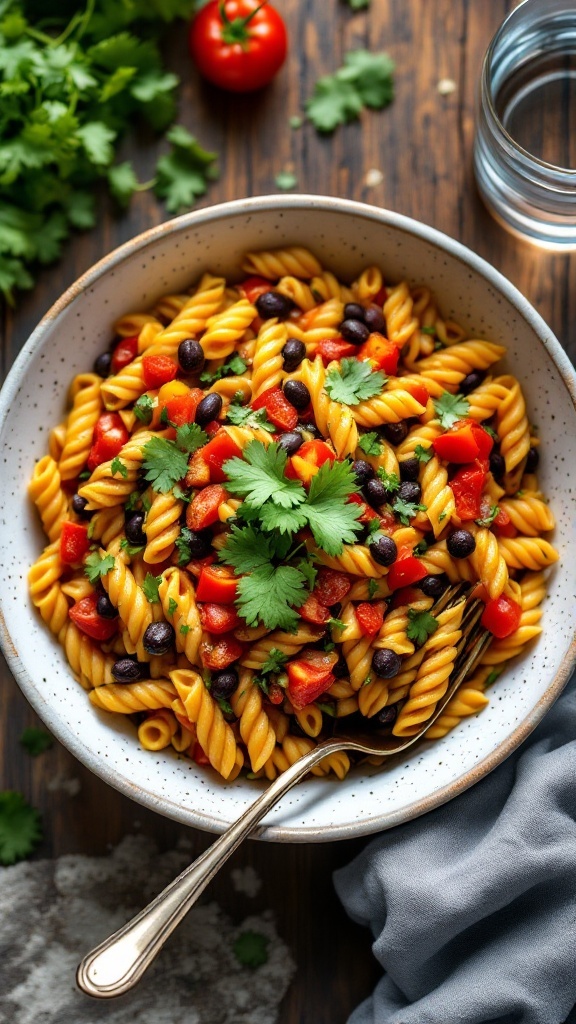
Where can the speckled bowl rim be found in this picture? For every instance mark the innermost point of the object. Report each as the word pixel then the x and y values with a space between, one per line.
pixel 213 214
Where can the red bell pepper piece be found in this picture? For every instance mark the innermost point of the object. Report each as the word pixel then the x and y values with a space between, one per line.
pixel 217 452
pixel 406 570
pixel 417 390
pixel 158 370
pixel 182 408
pixel 467 486
pixel 382 352
pixel 196 566
pixel 221 654
pixel 203 509
pixel 110 435
pixel 219 618
pixel 501 616
pixel 314 611
pixel 368 512
pixel 278 409
pixel 199 756
pixel 217 584
pixel 309 677
pixel 336 348
pixel 457 445
pixel 74 542
pixel 370 616
pixel 253 287
pixel 85 616
pixel 503 525
pixel 317 452
pixel 380 297
pixel 331 586
pixel 124 352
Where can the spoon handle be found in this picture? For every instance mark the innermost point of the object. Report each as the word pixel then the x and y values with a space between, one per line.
pixel 119 962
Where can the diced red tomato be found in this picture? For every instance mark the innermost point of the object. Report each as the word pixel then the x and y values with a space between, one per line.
pixel 406 570
pixel 74 542
pixel 110 435
pixel 331 586
pixel 181 409
pixel 124 352
pixel 370 616
pixel 314 611
pixel 336 348
pixel 203 509
pixel 85 616
pixel 278 409
pixel 417 390
pixel 464 442
pixel 222 653
pixel 212 428
pixel 217 452
pixel 387 522
pixel 405 596
pixel 309 676
pixel 503 525
pixel 501 616
pixel 196 566
pixel 368 512
pixel 199 756
pixel 217 583
pixel 380 297
pixel 275 693
pixel 219 618
pixel 380 351
pixel 467 486
pixel 158 370
pixel 198 474
pixel 316 452
pixel 254 286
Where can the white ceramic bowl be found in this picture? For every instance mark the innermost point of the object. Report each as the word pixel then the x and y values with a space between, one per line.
pixel 346 236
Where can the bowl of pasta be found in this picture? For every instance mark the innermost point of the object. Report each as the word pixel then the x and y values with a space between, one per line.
pixel 245 454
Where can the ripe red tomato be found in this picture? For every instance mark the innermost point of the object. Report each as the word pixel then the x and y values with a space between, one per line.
pixel 501 616
pixel 238 44
pixel 84 614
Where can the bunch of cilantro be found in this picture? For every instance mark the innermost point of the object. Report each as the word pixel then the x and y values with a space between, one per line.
pixel 268 551
pixel 74 77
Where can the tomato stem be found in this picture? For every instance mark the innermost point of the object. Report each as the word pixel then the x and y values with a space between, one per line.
pixel 236 31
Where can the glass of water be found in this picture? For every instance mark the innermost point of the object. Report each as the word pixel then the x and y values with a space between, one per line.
pixel 525 144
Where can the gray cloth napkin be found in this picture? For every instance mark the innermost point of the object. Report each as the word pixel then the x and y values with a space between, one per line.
pixel 473 906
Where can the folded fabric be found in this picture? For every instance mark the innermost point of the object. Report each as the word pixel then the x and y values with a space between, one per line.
pixel 473 906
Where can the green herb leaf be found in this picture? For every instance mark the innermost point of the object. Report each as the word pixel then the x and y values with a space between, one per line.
pixel 251 949
pixel 143 408
pixel 117 466
pixel 372 589
pixel 131 549
pixel 354 382
pixel 366 80
pixel 370 443
pixel 274 662
pixel 232 368
pixel 406 510
pixel 423 454
pixel 95 566
pixel 391 481
pixel 182 175
pixel 450 408
pixel 122 182
pixel 150 587
pixel 19 827
pixel 259 476
pixel 489 519
pixel 247 417
pixel 332 519
pixel 164 464
pixel 183 546
pixel 184 629
pixel 268 594
pixel 36 741
pixel 421 625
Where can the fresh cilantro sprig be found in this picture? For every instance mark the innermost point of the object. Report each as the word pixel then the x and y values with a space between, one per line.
pixel 274 662
pixel 365 80
pixel 182 175
pixel 421 625
pixel 391 481
pixel 370 443
pixel 150 587
pixel 165 462
pixel 423 454
pixel 20 828
pixel 143 408
pixel 245 416
pixel 406 510
pixel 95 566
pixel 232 367
pixel 269 590
pixel 117 466
pixel 354 382
pixel 259 476
pixel 450 408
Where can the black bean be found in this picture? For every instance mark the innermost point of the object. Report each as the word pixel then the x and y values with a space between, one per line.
pixel 384 550
pixel 387 716
pixel 395 433
pixel 158 638
pixel 191 356
pixel 410 469
pixel 208 409
pixel 133 529
pixel 102 364
pixel 411 491
pixel 79 505
pixel 199 543
pixel 340 669
pixel 271 304
pixel 362 471
pixel 293 353
pixel 105 608
pixel 386 663
pixel 354 331
pixel 376 492
pixel 532 460
pixel 460 544
pixel 472 381
pixel 497 465
pixel 291 441
pixel 126 670
pixel 297 394
pixel 433 586
pixel 354 311
pixel 223 684
pixel 374 319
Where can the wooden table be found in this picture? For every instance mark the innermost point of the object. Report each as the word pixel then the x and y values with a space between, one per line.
pixel 423 146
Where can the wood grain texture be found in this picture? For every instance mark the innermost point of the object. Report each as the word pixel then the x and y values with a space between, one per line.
pixel 423 146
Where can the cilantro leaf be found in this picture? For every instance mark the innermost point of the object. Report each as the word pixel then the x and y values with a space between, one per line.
pixel 332 103
pixel 450 408
pixel 421 547
pixel 131 549
pixel 19 827
pixel 232 367
pixel 143 409
pixel 268 594
pixel 488 519
pixel 163 464
pixel 372 589
pixel 150 587
pixel 391 481
pixel 245 416
pixel 259 476
pixel 122 180
pixel 365 80
pixel 333 520
pixel 304 565
pixel 423 454
pixel 251 949
pixel 406 510
pixel 421 625
pixel 247 549
pixel 370 444
pixel 274 662
pixel 182 175
pixel 189 437
pixel 95 566
pixel 354 382
pixel 36 741
pixel 285 520
pixel 117 466
pixel 183 542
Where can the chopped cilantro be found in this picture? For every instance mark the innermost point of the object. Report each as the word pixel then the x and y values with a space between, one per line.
pixel 450 408
pixel 406 510
pixel 353 382
pixel 370 444
pixel 391 481
pixel 117 466
pixel 488 519
pixel 493 676
pixel 131 549
pixel 373 526
pixel 232 367
pixel 150 587
pixel 359 5
pixel 274 661
pixel 95 567
pixel 366 80
pixel 183 545
pixel 180 494
pixel 327 709
pixel 247 417
pixel 189 437
pixel 428 330
pixel 336 624
pixel 85 474
pixel 165 462
pixel 133 500
pixel 19 827
pixel 251 949
pixel 423 454
pixel 36 741
pixel 143 409
pixel 172 606
pixel 421 547
pixel 224 706
pixel 421 625
pixel 372 589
